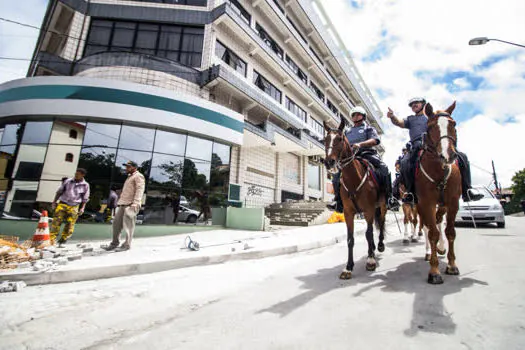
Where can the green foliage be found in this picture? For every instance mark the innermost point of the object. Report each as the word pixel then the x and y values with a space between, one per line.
pixel 518 187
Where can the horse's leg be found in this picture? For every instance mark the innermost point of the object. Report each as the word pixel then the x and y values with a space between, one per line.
pixel 428 213
pixel 381 223
pixel 427 244
pixel 451 269
pixel 406 214
pixel 413 213
pixel 371 263
pixel 439 219
pixel 420 233
pixel 346 274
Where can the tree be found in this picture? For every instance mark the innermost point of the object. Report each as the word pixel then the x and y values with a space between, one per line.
pixel 518 189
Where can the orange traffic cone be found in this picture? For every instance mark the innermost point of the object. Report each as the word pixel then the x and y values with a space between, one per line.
pixel 41 237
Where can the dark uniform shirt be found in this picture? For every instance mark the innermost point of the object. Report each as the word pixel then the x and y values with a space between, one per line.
pixel 362 133
pixel 416 125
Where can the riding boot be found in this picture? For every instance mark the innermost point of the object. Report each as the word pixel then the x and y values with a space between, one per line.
pixel 336 183
pixel 467 193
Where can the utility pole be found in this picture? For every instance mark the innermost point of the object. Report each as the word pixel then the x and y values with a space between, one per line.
pixel 498 188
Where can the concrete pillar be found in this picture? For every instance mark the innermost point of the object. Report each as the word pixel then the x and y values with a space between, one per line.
pixel 278 178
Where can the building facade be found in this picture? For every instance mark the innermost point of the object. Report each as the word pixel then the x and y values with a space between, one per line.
pixel 223 97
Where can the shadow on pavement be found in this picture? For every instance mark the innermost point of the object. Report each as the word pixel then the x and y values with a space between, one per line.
pixel 319 283
pixel 429 313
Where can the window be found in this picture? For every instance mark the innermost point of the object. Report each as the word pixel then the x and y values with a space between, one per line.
pixel 170 143
pixel 69 157
pixel 278 6
pixel 315 54
pixel 293 66
pixel 331 75
pixel 178 2
pixel 102 135
pixel 175 42
pixel 332 107
pixel 295 109
pixel 140 139
pixel 297 30
pixel 245 15
pixel 199 148
pixel 73 134
pixel 317 91
pixel 316 126
pixel 267 87
pixel 268 40
pixel 37 132
pixel 230 58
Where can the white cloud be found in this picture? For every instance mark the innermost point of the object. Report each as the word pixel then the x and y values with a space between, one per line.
pixel 427 40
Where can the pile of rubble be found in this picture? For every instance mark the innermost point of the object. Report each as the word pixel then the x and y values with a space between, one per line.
pixel 12 253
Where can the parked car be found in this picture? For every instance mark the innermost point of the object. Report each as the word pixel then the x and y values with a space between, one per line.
pixel 486 210
pixel 187 215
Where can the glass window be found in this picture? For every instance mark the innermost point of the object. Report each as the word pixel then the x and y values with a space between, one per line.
pixel 196 174
pixel 103 135
pixel 143 160
pixel 67 133
pixel 241 11
pixel 7 162
pixel 332 107
pixel 166 170
pixel 263 84
pixel 230 58
pixel 132 137
pixel 199 148
pixel 123 35
pixel 297 30
pixel 73 134
pixel 295 109
pixel 317 91
pixel 316 126
pixel 99 163
pixel 11 134
pixel 30 162
pixel 298 71
pixel 37 132
pixel 169 142
pixel 175 42
pixel 21 200
pixel 178 2
pixel 61 161
pixel 268 40
pixel 220 168
pixel 314 178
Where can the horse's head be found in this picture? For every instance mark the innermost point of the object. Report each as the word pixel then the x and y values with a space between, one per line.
pixel 441 133
pixel 334 142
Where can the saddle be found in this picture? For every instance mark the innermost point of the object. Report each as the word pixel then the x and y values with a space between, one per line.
pixel 372 171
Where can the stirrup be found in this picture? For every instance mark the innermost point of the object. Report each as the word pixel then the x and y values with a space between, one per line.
pixel 409 197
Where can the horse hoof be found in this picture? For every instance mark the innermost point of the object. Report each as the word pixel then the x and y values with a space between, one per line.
pixel 371 267
pixel 414 240
pixel 420 234
pixel 406 241
pixel 427 257
pixel 435 279
pixel 381 247
pixel 442 252
pixel 452 270
pixel 345 275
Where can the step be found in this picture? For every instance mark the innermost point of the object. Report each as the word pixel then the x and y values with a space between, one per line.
pixel 290 223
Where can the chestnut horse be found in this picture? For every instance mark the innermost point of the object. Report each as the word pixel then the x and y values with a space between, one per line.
pixel 359 194
pixel 438 186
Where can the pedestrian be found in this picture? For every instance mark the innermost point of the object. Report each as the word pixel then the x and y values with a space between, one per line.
pixel 72 196
pixel 175 205
pixel 128 207
pixel 205 206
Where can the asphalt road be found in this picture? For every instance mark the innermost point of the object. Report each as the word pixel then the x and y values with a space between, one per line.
pixel 291 302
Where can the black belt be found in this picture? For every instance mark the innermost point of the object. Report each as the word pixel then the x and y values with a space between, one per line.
pixel 124 205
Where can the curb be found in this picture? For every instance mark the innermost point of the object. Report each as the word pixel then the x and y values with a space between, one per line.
pixel 94 273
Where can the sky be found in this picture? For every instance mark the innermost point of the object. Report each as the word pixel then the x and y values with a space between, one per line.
pixel 402 48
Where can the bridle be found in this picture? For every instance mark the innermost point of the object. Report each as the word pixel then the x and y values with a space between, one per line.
pixel 340 162
pixel 431 146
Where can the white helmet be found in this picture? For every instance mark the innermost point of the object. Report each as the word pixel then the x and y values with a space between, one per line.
pixel 416 99
pixel 358 109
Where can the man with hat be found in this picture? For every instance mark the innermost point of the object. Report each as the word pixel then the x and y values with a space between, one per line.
pixel 128 207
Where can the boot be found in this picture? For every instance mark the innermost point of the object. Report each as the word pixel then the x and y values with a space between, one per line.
pixel 471 195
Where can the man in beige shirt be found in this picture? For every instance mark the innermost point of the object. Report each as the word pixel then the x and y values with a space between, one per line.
pixel 128 207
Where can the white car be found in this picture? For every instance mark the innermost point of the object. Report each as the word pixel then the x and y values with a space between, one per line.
pixel 486 210
pixel 187 215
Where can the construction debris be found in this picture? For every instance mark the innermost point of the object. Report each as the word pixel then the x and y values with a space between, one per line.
pixel 6 287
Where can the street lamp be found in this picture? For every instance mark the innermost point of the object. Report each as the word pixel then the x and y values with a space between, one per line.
pixel 484 40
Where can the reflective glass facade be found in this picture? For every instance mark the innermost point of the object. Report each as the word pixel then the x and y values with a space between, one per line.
pixel 36 156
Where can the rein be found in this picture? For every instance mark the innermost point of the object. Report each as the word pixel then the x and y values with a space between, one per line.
pixel 432 149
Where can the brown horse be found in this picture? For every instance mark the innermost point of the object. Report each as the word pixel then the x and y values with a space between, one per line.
pixel 359 194
pixel 438 183
pixel 410 216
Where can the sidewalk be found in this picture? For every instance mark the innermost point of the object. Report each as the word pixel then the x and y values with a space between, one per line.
pixel 155 254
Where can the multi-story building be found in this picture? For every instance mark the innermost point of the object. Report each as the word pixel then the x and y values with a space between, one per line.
pixel 228 97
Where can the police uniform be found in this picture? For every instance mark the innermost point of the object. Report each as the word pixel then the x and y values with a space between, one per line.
pixel 417 127
pixel 358 134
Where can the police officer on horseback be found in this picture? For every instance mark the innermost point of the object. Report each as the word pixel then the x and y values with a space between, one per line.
pixel 417 126
pixel 363 137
